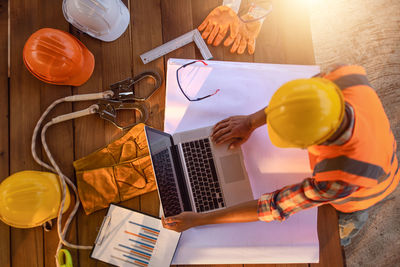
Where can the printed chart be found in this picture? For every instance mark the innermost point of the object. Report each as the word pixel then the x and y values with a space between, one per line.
pixel 129 238
pixel 138 251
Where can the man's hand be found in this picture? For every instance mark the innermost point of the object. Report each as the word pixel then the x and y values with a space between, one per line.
pixel 182 222
pixel 234 130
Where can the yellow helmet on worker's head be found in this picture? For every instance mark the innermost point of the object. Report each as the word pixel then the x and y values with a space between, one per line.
pixel 304 112
pixel 30 198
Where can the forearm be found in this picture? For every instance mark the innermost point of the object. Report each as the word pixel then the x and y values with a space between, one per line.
pixel 244 212
pixel 257 119
pixel 282 203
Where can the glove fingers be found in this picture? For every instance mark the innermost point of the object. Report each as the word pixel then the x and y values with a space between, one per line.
pixel 203 25
pixel 229 41
pixel 251 46
pixel 213 34
pixel 234 28
pixel 242 46
pixel 220 36
pixel 236 43
pixel 207 31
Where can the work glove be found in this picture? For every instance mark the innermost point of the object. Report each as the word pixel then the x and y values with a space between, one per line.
pixel 249 28
pixel 117 172
pixel 246 36
pixel 217 24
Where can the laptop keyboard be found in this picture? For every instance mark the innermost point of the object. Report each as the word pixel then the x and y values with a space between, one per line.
pixel 166 183
pixel 203 175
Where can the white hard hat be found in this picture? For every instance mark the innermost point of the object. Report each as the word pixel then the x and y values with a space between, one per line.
pixel 103 19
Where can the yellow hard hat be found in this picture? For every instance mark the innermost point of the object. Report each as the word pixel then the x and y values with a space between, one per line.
pixel 30 198
pixel 304 112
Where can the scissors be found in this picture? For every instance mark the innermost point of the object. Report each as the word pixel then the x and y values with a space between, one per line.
pixel 64 258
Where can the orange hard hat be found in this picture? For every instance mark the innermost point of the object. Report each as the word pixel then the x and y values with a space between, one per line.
pixel 57 57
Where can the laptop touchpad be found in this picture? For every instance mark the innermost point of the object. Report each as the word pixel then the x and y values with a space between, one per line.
pixel 232 168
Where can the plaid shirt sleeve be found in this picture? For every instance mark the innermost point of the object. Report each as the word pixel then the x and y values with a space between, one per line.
pixel 282 203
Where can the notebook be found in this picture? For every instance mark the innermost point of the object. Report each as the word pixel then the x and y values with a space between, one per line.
pixel 133 239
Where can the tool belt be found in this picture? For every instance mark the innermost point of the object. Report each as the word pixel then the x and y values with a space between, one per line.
pixel 117 172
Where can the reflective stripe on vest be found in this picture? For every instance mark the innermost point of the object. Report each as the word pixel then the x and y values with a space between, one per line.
pixel 368 159
pixel 367 197
pixel 351 80
pixel 350 166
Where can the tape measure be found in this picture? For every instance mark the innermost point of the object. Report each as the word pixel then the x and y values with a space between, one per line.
pixel 192 36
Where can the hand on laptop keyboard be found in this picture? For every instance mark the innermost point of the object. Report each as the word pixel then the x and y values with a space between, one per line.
pixel 237 129
pixel 234 130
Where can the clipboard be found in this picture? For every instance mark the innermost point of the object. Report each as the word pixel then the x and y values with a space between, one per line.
pixel 134 239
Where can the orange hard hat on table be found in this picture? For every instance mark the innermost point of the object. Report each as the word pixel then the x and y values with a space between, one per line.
pixel 57 57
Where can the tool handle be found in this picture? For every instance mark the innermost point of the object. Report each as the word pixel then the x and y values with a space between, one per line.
pixel 81 113
pixel 86 97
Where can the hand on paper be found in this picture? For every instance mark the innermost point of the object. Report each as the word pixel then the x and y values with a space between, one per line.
pixel 217 24
pixel 234 130
pixel 181 222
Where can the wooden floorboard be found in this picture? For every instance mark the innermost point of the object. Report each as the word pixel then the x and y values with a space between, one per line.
pixel 59 137
pixel 174 24
pixel 113 63
pixel 24 111
pixel 89 135
pixel 330 252
pixel 146 33
pixel 5 254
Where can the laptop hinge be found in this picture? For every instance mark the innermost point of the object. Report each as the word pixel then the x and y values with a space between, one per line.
pixel 181 178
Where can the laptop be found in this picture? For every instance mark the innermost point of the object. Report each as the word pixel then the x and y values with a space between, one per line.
pixel 194 174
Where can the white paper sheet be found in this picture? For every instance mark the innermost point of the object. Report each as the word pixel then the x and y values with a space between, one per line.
pixel 129 238
pixel 244 89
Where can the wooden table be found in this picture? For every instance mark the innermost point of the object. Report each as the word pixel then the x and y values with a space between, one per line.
pixel 285 38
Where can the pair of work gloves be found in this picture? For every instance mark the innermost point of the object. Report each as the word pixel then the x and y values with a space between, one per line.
pixel 243 29
pixel 119 171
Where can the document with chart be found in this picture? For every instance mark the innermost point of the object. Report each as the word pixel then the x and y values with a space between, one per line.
pixel 131 238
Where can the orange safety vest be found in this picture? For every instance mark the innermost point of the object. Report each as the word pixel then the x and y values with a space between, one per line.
pixel 368 159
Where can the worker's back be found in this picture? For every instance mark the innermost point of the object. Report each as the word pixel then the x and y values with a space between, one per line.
pixel 368 159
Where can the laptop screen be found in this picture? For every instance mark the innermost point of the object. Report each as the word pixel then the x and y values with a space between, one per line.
pixel 161 152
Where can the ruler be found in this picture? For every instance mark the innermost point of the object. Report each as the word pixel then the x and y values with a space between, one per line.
pixel 192 36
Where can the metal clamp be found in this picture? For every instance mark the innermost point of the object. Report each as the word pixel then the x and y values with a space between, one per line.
pixel 124 90
pixel 108 111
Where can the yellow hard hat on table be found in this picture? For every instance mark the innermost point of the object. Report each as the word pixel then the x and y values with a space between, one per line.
pixel 30 198
pixel 304 112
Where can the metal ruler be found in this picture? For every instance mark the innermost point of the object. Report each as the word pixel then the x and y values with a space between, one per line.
pixel 192 36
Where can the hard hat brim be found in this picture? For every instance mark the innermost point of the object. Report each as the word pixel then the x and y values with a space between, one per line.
pixel 276 140
pixel 120 29
pixel 87 69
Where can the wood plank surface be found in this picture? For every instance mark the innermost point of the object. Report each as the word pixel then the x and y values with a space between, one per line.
pixel 5 255
pixel 89 135
pixel 278 265
pixel 330 251
pixel 59 137
pixel 112 64
pixel 25 109
pixel 146 33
